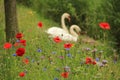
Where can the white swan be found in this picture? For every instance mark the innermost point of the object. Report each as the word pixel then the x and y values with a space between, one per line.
pixel 73 36
pixel 56 31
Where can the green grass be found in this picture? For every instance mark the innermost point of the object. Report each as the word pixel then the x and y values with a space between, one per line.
pixel 51 66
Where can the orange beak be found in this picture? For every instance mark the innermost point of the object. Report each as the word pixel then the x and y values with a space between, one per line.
pixel 78 33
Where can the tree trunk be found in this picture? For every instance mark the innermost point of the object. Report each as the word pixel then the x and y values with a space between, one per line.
pixel 11 20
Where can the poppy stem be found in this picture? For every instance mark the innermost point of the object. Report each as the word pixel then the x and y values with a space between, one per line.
pixel 65 56
pixel 62 59
pixel 94 53
pixel 99 55
pixel 94 56
pixel 104 35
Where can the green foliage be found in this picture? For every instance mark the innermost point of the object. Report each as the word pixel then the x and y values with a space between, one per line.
pixel 114 19
pixel 86 14
pixel 40 66
pixel 27 3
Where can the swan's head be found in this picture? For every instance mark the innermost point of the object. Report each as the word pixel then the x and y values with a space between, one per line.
pixel 76 28
pixel 67 16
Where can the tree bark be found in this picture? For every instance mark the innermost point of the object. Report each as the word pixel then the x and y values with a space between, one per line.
pixel 11 20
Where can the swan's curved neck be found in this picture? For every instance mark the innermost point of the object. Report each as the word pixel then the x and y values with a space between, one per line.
pixel 63 24
pixel 73 32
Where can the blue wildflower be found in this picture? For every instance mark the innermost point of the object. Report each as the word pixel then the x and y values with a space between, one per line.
pixel 56 79
pixel 39 50
pixel 97 59
pixel 67 48
pixel 14 54
pixel 69 55
pixel 17 40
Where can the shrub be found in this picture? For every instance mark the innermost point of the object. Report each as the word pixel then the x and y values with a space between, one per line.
pixel 27 3
pixel 85 13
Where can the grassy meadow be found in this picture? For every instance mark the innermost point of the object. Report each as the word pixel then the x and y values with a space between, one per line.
pixel 47 60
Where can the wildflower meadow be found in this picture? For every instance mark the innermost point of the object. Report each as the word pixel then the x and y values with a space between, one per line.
pixel 37 56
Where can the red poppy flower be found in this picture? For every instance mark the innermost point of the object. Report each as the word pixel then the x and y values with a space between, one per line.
pixel 88 60
pixel 7 45
pixel 26 61
pixel 65 74
pixel 68 45
pixel 57 39
pixel 22 74
pixel 94 62
pixel 20 51
pixel 104 25
pixel 23 42
pixel 19 35
pixel 40 24
pixel 16 44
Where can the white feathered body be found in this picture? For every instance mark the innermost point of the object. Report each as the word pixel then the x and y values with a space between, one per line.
pixel 56 31
pixel 63 32
pixel 72 36
pixel 64 35
pixel 68 37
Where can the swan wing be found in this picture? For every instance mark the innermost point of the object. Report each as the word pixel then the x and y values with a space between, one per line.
pixel 68 37
pixel 55 31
